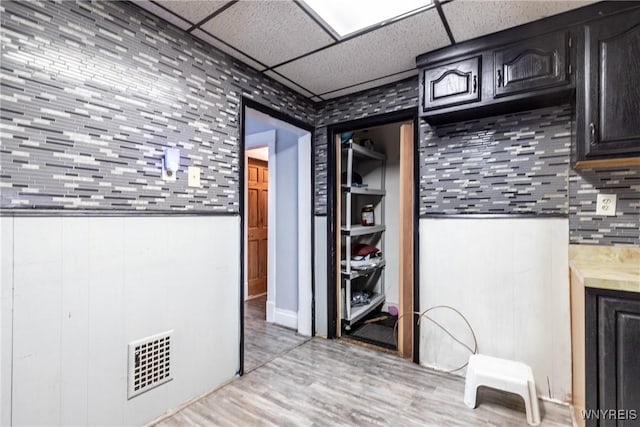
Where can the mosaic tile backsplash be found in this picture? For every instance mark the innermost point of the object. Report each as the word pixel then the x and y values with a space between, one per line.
pixel 516 163
pixel 384 99
pixel 92 94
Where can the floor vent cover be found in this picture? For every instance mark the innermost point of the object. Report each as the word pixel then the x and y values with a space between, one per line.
pixel 149 363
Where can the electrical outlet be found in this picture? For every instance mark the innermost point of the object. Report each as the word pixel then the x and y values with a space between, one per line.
pixel 606 205
pixel 193 174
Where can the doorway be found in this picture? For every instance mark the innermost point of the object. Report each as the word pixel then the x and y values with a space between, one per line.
pixel 257 221
pixel 277 289
pixel 372 225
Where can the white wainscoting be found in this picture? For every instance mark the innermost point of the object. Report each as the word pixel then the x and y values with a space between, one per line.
pixel 84 287
pixel 509 277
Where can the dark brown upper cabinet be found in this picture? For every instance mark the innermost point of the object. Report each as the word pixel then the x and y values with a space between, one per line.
pixel 451 84
pixel 609 94
pixel 532 64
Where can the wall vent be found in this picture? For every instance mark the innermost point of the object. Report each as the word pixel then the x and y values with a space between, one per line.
pixel 149 363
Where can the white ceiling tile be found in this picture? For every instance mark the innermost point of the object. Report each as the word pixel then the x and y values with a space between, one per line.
pixel 369 85
pixel 226 49
pixel 469 19
pixel 271 31
pixel 162 13
pixel 193 11
pixel 380 53
pixel 287 83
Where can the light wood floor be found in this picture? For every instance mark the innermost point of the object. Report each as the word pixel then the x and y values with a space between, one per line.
pixel 332 383
pixel 264 341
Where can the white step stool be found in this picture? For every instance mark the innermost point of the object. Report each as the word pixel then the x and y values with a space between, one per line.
pixel 501 374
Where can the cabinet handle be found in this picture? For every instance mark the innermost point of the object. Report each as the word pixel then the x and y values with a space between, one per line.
pixel 499 78
pixel 475 84
pixel 592 130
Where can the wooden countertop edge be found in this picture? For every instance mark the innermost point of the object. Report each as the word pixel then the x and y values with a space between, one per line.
pixel 605 283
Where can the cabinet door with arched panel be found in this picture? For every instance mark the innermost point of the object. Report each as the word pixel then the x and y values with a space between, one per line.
pixel 451 84
pixel 533 64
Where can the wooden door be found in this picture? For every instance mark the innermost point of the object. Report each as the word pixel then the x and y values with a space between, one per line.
pixel 533 64
pixel 612 66
pixel 257 210
pixel 405 323
pixel 451 84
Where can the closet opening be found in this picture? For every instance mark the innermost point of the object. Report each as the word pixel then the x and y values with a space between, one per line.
pixel 373 227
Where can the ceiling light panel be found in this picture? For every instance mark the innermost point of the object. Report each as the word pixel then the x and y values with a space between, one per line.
pixel 388 50
pixel 270 31
pixel 469 19
pixel 346 17
pixel 193 11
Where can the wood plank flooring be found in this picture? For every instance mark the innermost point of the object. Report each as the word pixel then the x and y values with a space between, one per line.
pixel 264 341
pixel 321 382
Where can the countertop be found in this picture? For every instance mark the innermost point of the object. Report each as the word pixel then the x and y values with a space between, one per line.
pixel 606 267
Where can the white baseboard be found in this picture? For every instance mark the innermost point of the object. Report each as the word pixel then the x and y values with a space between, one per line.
pixel 286 318
pixel 271 311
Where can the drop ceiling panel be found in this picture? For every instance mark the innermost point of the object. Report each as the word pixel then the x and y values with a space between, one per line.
pixel 164 14
pixel 370 85
pixel 193 11
pixel 270 31
pixel 226 49
pixel 380 53
pixel 277 77
pixel 469 19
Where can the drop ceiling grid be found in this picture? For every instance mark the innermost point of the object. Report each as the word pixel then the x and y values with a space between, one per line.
pixel 289 84
pixel 471 19
pixel 272 32
pixel 193 11
pixel 227 49
pixel 162 12
pixel 388 50
pixel 369 85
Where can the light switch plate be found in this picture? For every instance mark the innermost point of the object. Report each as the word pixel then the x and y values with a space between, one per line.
pixel 606 204
pixel 193 173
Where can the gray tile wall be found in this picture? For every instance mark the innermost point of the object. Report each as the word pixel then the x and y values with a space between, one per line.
pixel 92 93
pixel 585 226
pixel 516 163
pixel 384 99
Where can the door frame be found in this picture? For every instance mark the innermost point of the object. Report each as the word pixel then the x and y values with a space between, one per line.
pixel 406 115
pixel 245 103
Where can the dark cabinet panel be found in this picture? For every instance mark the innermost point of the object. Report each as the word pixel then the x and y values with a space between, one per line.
pixel 451 84
pixel 532 64
pixel 612 361
pixel 611 124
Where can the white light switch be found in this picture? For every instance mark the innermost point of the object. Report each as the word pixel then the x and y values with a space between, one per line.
pixel 193 173
pixel 606 204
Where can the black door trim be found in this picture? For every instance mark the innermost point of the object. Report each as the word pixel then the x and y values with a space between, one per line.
pixel 254 105
pixel 409 114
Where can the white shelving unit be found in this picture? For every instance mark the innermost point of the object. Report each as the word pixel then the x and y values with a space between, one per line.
pixel 350 231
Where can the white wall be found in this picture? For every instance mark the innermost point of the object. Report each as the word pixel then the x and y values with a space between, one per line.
pixel 87 286
pixel 6 302
pixel 320 275
pixel 509 277
pixel 287 221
